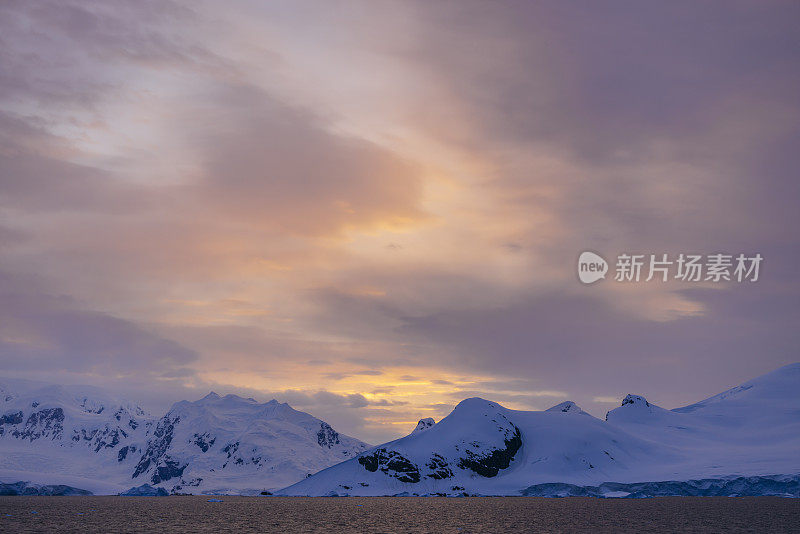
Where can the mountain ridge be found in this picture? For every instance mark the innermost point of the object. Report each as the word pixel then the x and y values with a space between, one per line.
pixel 216 444
pixel 84 438
pixel 481 447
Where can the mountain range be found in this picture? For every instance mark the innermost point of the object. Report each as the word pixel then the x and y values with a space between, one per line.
pixel 743 441
pixel 749 434
pixel 82 437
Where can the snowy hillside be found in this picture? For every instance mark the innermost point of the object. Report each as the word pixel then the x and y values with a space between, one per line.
pixel 231 444
pixel 484 448
pixel 82 437
pixel 65 434
pixel 752 429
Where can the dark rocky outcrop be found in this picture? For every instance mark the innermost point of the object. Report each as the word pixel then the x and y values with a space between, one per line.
pixel 157 448
pixel 327 436
pixel 123 452
pixel 47 422
pixel 167 469
pixel 635 399
pixel 489 463
pixel 204 441
pixel 109 438
pixel 13 418
pixel 439 467
pixel 231 448
pixel 390 463
pixel 423 425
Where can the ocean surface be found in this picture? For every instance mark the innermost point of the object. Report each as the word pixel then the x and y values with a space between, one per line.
pixel 398 514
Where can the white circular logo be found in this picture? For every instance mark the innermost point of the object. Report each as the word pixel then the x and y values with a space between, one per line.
pixel 591 267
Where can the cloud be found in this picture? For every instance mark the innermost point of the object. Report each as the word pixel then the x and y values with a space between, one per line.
pixel 579 343
pixel 390 213
pixel 606 399
pixel 276 167
pixel 42 334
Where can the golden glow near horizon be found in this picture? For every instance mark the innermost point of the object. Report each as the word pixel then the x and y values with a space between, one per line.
pixel 390 396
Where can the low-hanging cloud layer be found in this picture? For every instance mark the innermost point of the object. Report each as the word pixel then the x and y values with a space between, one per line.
pixel 372 210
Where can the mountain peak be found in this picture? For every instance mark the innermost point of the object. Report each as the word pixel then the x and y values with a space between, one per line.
pixel 237 398
pixel 423 425
pixel 636 400
pixel 566 407
pixel 220 442
pixel 636 409
pixel 230 398
pixel 475 403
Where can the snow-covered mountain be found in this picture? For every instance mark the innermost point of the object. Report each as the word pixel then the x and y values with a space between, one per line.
pixel 752 431
pixel 742 441
pixel 84 438
pixel 231 444
pixel 67 435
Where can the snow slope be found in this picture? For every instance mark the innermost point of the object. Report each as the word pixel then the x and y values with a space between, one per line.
pixel 484 448
pixel 752 429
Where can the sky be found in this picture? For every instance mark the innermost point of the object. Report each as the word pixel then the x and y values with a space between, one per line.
pixel 373 210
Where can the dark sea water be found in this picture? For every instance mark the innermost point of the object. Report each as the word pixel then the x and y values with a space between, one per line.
pixel 398 514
